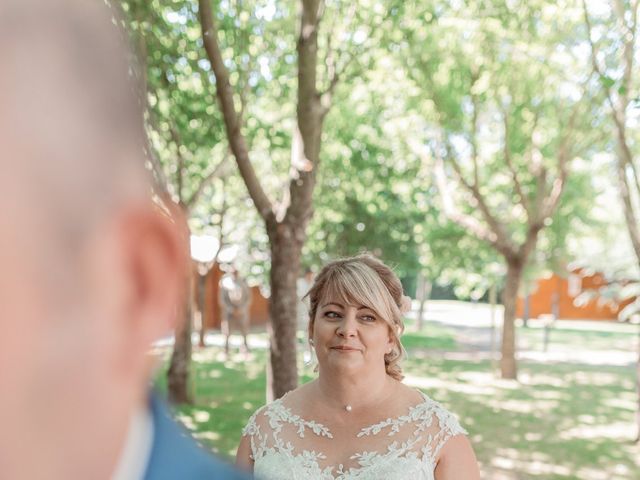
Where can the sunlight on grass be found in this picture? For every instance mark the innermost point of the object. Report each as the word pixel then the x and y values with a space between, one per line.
pixel 430 383
pixel 508 459
pixel 589 430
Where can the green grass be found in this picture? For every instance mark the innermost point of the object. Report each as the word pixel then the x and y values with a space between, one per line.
pixel 560 421
pixel 616 338
pixel 432 338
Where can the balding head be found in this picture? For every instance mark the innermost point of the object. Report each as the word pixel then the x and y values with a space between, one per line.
pixel 69 110
pixel 90 272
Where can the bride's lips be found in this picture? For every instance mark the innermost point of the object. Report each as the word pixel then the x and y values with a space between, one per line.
pixel 345 348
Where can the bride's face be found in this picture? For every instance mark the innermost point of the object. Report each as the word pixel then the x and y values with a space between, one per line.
pixel 350 337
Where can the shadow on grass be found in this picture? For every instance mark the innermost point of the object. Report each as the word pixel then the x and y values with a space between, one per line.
pixel 560 421
pixel 226 393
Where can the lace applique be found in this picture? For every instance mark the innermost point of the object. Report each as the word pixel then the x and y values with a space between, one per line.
pixel 425 429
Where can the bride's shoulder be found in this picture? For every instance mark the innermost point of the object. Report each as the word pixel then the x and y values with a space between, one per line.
pixel 434 410
pixel 277 410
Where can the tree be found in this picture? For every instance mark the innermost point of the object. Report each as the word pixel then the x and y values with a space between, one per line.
pixel 480 73
pixel 186 154
pixel 285 221
pixel 613 59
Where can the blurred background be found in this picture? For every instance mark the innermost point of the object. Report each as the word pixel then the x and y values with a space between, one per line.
pixel 486 149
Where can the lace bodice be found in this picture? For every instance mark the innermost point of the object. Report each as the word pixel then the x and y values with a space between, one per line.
pixel 285 446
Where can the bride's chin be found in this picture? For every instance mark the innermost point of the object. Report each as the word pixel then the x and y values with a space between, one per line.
pixel 343 364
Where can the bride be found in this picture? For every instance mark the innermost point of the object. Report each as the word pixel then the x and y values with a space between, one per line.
pixel 357 420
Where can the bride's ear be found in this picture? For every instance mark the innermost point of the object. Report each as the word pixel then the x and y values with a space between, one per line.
pixel 310 332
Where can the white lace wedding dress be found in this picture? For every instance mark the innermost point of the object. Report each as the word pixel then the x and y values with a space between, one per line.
pixel 285 446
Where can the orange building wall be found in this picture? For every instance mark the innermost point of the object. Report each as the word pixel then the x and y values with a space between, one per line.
pixel 258 310
pixel 540 300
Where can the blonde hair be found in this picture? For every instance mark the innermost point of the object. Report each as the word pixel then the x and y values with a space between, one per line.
pixel 365 280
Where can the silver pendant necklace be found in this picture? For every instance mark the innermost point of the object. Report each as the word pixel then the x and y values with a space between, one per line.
pixel 348 407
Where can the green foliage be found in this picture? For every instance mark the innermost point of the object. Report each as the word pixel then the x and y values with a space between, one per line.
pixel 493 81
pixel 366 191
pixel 416 74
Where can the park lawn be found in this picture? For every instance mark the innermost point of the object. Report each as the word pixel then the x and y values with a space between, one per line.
pixel 435 337
pixel 602 336
pixel 560 421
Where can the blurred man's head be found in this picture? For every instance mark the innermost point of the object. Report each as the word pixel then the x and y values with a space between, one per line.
pixel 90 272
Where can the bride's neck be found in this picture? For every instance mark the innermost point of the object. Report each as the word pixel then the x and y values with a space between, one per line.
pixel 338 391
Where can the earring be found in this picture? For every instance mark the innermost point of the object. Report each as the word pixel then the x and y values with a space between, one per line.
pixel 311 342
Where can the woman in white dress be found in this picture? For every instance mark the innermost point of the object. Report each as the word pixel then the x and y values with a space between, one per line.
pixel 357 420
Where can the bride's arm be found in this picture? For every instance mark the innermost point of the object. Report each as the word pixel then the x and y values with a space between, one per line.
pixel 457 461
pixel 244 460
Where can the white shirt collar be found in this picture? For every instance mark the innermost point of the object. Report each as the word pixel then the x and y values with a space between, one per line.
pixel 135 454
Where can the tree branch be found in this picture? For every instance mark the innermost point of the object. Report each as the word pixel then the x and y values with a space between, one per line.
pixel 305 150
pixel 175 137
pixel 224 92
pixel 160 180
pixel 498 236
pixel 564 153
pixel 596 68
pixel 452 212
pixel 627 52
pixel 335 72
pixel 502 242
pixel 206 181
pixel 474 130
pixel 524 201
pixel 629 210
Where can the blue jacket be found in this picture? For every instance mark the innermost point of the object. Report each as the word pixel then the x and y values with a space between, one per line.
pixel 176 456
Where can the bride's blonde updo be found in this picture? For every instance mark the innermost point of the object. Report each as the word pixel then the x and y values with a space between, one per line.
pixel 365 280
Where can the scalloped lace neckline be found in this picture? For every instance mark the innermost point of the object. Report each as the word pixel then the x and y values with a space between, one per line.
pixel 374 428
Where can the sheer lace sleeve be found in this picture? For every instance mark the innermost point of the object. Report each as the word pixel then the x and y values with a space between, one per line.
pixel 253 430
pixel 448 427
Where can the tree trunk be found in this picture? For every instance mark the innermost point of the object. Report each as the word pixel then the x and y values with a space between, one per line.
pixel 202 283
pixel 624 189
pixel 178 374
pixel 493 297
pixel 637 440
pixel 285 266
pixel 287 221
pixel 423 294
pixel 508 366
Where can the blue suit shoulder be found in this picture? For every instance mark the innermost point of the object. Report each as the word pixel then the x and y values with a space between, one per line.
pixel 176 455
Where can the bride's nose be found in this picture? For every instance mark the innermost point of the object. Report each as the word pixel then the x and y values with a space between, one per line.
pixel 348 327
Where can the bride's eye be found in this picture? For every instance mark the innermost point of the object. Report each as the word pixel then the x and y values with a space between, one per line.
pixel 331 314
pixel 368 318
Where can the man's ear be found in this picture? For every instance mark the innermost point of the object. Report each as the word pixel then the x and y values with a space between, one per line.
pixel 150 246
pixel 159 259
